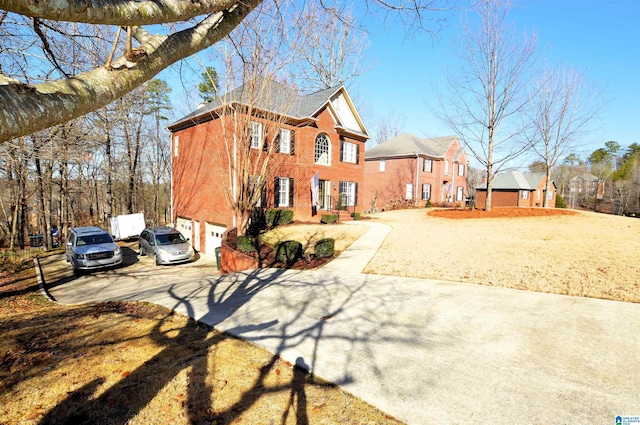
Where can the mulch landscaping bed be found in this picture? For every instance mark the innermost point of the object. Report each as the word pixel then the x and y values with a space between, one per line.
pixel 500 212
pixel 266 256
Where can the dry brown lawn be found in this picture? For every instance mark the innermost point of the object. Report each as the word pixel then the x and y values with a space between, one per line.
pixel 309 234
pixel 583 254
pixel 137 363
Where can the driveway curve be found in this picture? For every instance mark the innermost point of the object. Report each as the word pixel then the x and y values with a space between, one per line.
pixel 425 351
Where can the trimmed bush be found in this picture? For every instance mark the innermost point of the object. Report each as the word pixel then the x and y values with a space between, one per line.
pixel 560 203
pixel 277 217
pixel 329 218
pixel 288 251
pixel 355 215
pixel 324 248
pixel 247 243
pixel 428 203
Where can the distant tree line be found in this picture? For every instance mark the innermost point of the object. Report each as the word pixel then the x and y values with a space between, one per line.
pixel 607 180
pixel 112 161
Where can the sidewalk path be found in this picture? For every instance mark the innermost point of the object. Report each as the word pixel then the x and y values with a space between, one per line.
pixel 424 351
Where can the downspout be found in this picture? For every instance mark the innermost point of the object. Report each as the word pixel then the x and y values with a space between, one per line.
pixel 234 187
pixel 171 180
pixel 454 191
pixel 415 188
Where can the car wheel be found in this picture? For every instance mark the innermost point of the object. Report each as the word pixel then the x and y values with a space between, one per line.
pixel 157 260
pixel 76 270
pixel 140 251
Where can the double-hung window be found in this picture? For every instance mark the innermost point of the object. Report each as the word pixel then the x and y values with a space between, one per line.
pixel 461 169
pixel 383 165
pixel 284 145
pixel 426 191
pixel 283 192
pixel 348 193
pixel 525 194
pixel 427 165
pixel 322 150
pixel 408 191
pixel 349 152
pixel 256 135
pixel 459 193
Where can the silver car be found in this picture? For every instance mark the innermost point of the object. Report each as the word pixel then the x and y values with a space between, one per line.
pixel 167 245
pixel 89 248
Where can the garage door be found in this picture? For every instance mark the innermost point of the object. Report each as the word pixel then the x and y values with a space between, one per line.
pixel 183 225
pixel 214 237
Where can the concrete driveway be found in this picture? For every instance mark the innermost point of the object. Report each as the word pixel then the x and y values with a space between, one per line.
pixel 424 351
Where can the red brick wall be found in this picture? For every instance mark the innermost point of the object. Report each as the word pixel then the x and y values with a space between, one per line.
pixel 201 178
pixel 391 184
pixel 509 198
pixel 499 198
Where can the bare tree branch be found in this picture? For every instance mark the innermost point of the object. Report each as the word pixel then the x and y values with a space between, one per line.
pixel 25 109
pixel 119 12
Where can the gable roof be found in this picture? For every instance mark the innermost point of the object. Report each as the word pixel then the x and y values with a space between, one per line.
pixel 515 180
pixel 407 144
pixel 281 99
pixel 585 177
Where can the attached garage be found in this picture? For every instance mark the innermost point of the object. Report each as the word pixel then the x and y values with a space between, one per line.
pixel 213 237
pixel 184 226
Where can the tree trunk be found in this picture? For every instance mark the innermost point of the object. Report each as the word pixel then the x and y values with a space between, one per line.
pixel 109 188
pixel 487 204
pixel 42 221
pixel 545 201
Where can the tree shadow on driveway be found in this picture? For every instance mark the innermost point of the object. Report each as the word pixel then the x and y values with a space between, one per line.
pixel 271 305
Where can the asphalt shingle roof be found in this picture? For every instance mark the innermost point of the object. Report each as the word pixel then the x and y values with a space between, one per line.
pixel 515 180
pixel 409 144
pixel 270 96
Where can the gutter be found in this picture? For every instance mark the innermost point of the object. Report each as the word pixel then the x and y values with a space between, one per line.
pixel 415 189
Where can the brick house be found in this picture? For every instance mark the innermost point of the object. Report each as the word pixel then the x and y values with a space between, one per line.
pixel 408 167
pixel 516 189
pixel 586 185
pixel 321 133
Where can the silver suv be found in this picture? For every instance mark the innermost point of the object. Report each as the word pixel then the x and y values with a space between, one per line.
pixel 89 248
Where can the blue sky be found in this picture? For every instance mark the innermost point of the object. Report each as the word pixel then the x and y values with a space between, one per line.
pixel 600 38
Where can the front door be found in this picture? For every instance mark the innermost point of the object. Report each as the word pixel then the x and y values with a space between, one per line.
pixel 324 195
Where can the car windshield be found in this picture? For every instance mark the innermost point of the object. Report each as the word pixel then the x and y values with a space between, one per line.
pixel 94 239
pixel 170 239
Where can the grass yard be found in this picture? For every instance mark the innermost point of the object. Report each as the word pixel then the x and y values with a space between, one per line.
pixel 137 363
pixel 545 250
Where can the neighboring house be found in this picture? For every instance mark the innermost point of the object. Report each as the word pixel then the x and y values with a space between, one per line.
pixel 586 184
pixel 516 189
pixel 317 133
pixel 412 168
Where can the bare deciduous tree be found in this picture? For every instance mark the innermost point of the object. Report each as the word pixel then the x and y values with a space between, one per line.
pixel 328 47
pixel 559 113
pixel 485 100
pixel 388 127
pixel 193 26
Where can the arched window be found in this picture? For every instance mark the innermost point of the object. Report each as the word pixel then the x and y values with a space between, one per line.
pixel 322 153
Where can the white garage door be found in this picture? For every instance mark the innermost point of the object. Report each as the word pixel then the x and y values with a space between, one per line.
pixel 183 225
pixel 214 237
